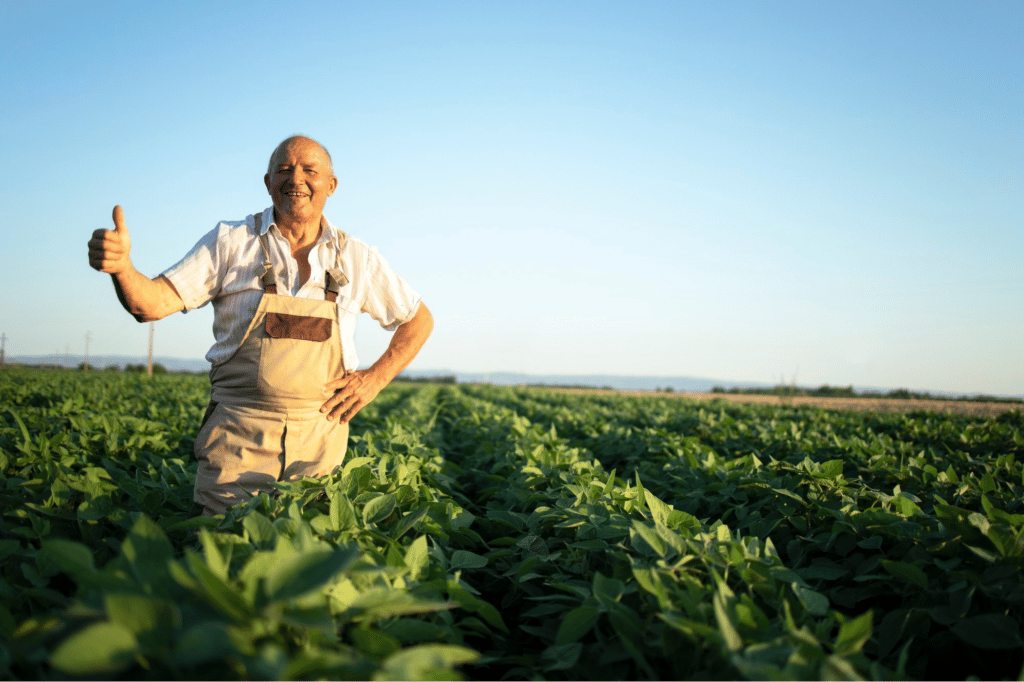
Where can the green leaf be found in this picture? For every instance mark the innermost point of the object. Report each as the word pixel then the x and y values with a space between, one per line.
pixel 837 668
pixel 649 580
pixel 463 559
pixel 9 547
pixel 374 642
pixel 507 518
pixel 725 625
pixel 100 648
pixel 26 446
pixel 415 631
pixel 478 606
pixel 426 661
pixel 641 497
pixel 576 623
pixel 73 558
pixel 98 506
pixel 354 463
pixel 417 557
pixel 610 483
pixel 1004 540
pixel 908 572
pixel 853 634
pixel 297 573
pixel 646 540
pixel 342 513
pixel 833 468
pixel 823 572
pixel 407 522
pixel 906 507
pixel 222 596
pixel 260 530
pixel 989 631
pixel 379 603
pixel 150 619
pixel 148 552
pixel 215 561
pixel 630 633
pixel 564 656
pixel 815 602
pixel 659 510
pixel 203 643
pixel 607 590
pixel 378 509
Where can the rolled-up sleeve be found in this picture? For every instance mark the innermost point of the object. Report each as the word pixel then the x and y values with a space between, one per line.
pixel 197 276
pixel 387 298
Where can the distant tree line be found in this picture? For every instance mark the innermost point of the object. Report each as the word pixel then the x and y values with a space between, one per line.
pixel 403 379
pixel 587 387
pixel 132 369
pixel 827 391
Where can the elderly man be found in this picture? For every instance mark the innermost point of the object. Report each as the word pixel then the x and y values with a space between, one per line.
pixel 286 286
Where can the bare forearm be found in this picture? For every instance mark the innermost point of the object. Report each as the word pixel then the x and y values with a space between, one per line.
pixel 146 299
pixel 405 344
pixel 356 389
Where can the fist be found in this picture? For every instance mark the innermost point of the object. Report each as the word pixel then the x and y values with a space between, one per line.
pixel 108 249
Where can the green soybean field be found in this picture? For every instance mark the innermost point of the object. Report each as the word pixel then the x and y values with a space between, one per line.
pixel 482 532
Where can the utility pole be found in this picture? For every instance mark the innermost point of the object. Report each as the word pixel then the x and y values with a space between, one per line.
pixel 88 335
pixel 149 363
pixel 3 348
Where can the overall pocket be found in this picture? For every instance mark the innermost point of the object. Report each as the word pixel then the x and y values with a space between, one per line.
pixel 296 356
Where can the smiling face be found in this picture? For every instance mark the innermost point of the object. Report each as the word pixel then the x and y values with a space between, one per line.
pixel 299 180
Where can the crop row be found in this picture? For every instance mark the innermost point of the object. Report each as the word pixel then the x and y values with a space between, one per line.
pixel 512 533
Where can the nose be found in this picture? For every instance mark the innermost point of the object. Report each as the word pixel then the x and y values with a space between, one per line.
pixel 294 175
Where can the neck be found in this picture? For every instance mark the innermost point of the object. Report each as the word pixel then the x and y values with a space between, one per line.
pixel 298 231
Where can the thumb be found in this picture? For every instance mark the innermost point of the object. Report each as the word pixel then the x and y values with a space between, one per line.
pixel 119 221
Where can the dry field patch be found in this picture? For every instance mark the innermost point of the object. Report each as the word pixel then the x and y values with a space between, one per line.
pixel 982 409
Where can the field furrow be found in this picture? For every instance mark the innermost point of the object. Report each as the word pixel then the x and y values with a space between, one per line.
pixel 512 533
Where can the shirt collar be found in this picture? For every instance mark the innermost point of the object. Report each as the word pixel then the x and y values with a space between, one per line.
pixel 329 234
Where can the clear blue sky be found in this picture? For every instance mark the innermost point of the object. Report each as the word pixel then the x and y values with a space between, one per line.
pixel 736 190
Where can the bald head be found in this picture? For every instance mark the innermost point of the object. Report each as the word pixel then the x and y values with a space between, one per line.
pixel 299 179
pixel 296 138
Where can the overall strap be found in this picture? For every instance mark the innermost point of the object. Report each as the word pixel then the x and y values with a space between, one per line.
pixel 331 287
pixel 269 281
pixel 334 277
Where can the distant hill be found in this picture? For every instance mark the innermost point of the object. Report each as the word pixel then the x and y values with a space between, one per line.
pixel 101 361
pixel 616 381
pixel 683 384
pixel 620 382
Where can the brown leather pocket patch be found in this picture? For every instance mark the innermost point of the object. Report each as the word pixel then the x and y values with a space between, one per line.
pixel 285 326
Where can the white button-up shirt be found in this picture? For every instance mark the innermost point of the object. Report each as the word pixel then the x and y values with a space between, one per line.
pixel 225 267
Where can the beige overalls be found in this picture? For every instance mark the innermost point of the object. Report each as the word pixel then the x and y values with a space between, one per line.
pixel 264 423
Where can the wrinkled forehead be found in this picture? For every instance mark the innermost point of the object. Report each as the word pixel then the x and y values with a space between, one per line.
pixel 300 149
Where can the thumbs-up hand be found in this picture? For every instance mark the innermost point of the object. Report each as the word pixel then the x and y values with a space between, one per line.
pixel 108 249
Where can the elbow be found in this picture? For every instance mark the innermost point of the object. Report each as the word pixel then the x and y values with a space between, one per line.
pixel 146 315
pixel 428 321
